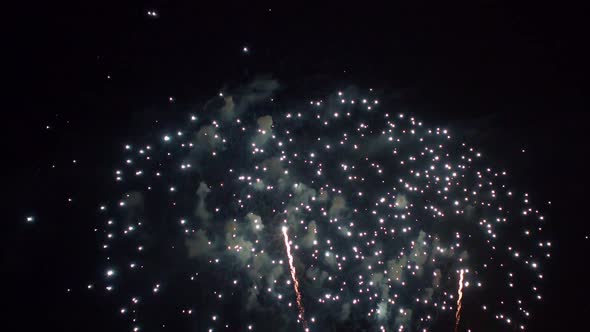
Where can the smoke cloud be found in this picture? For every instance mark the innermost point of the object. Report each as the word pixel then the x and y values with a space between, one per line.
pixel 201 210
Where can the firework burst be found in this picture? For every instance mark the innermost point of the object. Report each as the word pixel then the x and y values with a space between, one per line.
pixel 379 209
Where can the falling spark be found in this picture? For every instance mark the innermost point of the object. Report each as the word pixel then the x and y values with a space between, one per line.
pixel 458 314
pixel 294 277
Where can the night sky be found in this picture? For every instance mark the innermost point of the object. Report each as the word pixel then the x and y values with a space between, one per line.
pixel 221 92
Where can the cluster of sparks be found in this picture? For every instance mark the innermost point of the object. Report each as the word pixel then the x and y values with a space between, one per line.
pixel 383 213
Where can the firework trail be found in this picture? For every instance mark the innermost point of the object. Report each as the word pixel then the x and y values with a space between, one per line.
pixel 295 281
pixel 458 314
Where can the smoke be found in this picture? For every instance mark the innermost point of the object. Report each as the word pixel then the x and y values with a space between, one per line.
pixel 316 275
pixel 252 302
pixel 345 313
pixel 323 197
pixel 134 200
pixel 395 267
pixel 274 168
pixel 273 275
pixel 198 244
pixel 379 281
pixel 239 247
pixel 236 242
pixel 330 259
pixel 401 201
pixel 310 236
pixel 255 222
pixel 428 294
pixel 300 197
pixel 201 210
pixel 419 255
pixel 337 207
pixel 259 185
pixel 264 130
pixel 241 98
pixel 208 138
pixel 303 194
pixel 382 311
pixel 258 89
pixel 436 278
pixel 135 205
pixel 227 111
pixel 436 245
pixel 464 255
pixel 312 273
pixel 265 123
pixel 469 211
pixel 262 266
pixel 404 317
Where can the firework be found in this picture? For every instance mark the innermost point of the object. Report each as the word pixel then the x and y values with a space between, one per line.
pixel 379 209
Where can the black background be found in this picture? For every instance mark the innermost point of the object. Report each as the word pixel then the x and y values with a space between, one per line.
pixel 511 75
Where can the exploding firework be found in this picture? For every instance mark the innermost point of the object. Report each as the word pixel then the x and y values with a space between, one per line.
pixel 381 212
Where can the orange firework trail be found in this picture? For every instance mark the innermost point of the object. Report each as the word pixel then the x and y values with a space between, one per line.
pixel 458 314
pixel 294 277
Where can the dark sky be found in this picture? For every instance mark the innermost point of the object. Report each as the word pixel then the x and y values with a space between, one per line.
pixel 512 74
